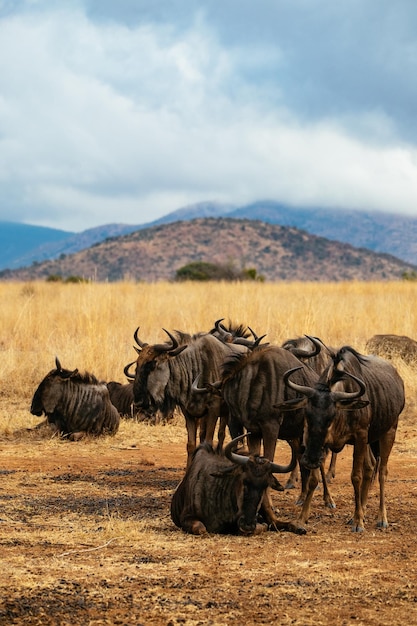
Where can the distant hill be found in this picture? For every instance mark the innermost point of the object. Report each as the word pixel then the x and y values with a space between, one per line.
pixel 16 239
pixel 276 252
pixel 378 231
pixel 26 244
pixel 381 232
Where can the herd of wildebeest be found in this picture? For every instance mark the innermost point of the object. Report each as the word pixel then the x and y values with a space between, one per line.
pixel 315 397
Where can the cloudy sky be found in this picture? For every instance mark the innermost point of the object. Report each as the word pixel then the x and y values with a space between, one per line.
pixel 125 110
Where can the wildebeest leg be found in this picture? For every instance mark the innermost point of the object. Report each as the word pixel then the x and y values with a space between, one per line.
pixel 191 425
pixel 313 481
pixel 210 421
pixel 77 436
pixel 269 438
pixel 190 524
pixel 305 475
pixel 385 443
pixel 221 432
pixel 359 454
pixel 368 473
pixel 327 497
pixel 331 472
pixel 293 478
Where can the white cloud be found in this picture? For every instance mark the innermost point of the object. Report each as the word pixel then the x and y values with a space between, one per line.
pixel 103 122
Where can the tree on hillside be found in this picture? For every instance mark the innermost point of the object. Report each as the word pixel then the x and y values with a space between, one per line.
pixel 202 270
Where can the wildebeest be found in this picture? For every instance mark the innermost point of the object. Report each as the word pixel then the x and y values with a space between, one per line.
pixel 357 400
pixel 121 396
pixel 165 373
pixel 75 404
pixel 222 493
pixel 313 352
pixel 251 384
pixel 393 346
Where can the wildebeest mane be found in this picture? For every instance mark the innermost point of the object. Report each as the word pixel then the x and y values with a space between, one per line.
pixel 85 378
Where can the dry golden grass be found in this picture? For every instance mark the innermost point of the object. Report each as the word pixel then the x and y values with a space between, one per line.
pixel 91 326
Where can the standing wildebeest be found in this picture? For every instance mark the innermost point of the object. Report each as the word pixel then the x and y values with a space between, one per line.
pixel 251 385
pixel 165 374
pixel 389 346
pixel 75 404
pixel 222 492
pixel 317 355
pixel 357 400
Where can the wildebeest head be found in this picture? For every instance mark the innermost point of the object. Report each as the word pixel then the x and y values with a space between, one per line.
pixel 48 393
pixel 321 404
pixel 152 372
pixel 256 476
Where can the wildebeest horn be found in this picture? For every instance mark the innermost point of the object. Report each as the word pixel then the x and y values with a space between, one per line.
pixel 140 343
pixel 226 336
pixel 58 364
pixel 345 395
pixel 126 371
pixel 210 386
pixel 308 354
pixel 175 349
pixel 240 459
pixel 229 453
pixel 320 345
pixel 305 391
pixel 195 386
pixel 338 396
pixel 284 469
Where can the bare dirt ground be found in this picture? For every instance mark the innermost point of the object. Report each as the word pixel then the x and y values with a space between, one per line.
pixel 86 538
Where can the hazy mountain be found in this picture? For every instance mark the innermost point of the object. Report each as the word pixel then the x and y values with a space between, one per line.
pixel 276 252
pixel 381 232
pixel 17 239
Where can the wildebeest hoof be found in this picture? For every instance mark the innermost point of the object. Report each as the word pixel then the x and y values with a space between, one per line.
pixel 276 485
pixel 76 436
pixel 289 485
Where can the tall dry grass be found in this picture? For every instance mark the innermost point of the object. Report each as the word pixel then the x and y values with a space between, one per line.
pixel 91 326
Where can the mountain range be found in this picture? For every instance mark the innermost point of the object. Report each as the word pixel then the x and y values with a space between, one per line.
pixel 276 253
pixel 22 244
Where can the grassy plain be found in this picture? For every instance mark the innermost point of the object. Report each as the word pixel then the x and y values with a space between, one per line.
pixel 86 536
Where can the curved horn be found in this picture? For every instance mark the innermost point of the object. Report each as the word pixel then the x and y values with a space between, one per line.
pixel 284 469
pixel 126 371
pixel 305 391
pixel 225 335
pixel 58 364
pixel 175 349
pixel 320 345
pixel 196 388
pixel 140 343
pixel 350 395
pixel 239 459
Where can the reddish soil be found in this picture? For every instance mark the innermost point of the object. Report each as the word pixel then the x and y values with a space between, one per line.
pixel 86 538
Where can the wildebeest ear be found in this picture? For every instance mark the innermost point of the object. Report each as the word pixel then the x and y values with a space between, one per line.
pixel 291 405
pixel 347 405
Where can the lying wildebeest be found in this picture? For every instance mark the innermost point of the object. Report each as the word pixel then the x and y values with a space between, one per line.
pixel 75 404
pixel 222 493
pixel 357 400
pixel 121 396
pixel 164 376
pixel 391 346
